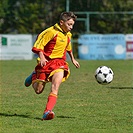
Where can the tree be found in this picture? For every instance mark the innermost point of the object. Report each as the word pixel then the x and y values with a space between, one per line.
pixel 32 16
pixel 3 12
pixel 28 16
pixel 106 23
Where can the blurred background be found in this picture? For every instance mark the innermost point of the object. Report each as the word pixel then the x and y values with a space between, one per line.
pixel 30 17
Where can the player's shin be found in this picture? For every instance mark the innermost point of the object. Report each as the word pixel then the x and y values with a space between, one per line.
pixel 52 98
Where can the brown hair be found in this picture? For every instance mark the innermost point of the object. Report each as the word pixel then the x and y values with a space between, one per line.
pixel 67 16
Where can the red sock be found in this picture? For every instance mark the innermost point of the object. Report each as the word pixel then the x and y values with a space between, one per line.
pixel 52 98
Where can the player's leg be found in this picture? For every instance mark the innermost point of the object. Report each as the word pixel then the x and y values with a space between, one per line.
pixel 52 98
pixel 56 81
pixel 38 86
pixel 38 82
pixel 28 80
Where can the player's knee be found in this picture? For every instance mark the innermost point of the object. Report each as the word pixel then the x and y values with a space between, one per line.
pixel 38 87
pixel 38 91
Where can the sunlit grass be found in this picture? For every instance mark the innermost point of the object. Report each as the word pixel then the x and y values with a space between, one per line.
pixel 83 105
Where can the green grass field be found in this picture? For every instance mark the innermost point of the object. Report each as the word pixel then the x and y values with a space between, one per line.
pixel 83 105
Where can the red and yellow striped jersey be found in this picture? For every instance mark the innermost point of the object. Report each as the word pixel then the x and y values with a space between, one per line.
pixel 53 42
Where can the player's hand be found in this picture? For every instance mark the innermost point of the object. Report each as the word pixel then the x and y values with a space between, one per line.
pixel 76 63
pixel 43 62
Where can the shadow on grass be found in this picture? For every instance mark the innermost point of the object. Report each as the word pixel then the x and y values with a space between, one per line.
pixel 18 115
pixel 65 117
pixel 120 88
pixel 29 117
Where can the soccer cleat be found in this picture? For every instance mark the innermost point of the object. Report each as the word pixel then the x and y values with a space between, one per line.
pixel 48 115
pixel 28 80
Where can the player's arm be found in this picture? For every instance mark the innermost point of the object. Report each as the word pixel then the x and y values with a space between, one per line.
pixel 39 45
pixel 69 50
pixel 73 59
pixel 42 41
pixel 43 60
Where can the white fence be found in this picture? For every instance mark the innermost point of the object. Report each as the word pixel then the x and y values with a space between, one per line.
pixel 15 47
pixel 91 46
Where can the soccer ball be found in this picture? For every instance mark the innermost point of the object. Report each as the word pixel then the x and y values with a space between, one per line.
pixel 104 75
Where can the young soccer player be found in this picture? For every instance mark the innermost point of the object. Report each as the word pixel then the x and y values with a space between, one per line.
pixel 51 47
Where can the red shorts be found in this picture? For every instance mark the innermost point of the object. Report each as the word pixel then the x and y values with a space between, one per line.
pixel 45 73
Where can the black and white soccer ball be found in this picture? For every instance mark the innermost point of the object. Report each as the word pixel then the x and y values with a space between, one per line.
pixel 104 75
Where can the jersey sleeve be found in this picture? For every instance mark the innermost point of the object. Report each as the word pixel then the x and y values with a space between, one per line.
pixel 69 46
pixel 42 41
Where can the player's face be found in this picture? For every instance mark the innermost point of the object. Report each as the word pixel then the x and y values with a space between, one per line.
pixel 67 25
